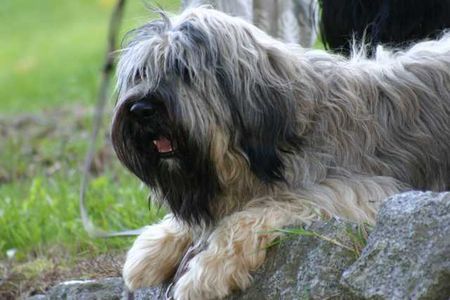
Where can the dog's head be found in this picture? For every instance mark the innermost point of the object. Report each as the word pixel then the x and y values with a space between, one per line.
pixel 205 100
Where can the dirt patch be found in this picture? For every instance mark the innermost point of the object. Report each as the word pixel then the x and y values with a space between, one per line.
pixel 49 142
pixel 36 276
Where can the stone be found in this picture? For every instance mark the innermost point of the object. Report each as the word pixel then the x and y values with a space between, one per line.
pixel 149 294
pixel 38 297
pixel 408 253
pixel 305 267
pixel 101 289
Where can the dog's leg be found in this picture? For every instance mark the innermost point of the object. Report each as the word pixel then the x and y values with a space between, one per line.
pixel 156 253
pixel 235 248
pixel 238 244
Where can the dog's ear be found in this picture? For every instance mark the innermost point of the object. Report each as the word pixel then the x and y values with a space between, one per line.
pixel 263 110
pixel 269 133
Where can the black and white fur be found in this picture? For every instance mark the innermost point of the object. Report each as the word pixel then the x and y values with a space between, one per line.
pixel 391 22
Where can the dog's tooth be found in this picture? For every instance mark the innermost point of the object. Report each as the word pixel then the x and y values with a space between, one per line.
pixel 164 145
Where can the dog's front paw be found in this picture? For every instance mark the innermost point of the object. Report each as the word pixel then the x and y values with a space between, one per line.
pixel 155 254
pixel 212 276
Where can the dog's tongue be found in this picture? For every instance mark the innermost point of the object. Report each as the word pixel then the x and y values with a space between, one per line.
pixel 163 145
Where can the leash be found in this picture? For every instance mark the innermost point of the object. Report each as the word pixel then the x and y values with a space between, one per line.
pixel 107 70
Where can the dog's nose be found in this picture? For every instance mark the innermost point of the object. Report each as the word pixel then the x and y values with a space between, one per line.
pixel 142 109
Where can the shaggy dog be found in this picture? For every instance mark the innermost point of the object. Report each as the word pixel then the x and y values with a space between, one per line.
pixel 239 134
pixel 394 22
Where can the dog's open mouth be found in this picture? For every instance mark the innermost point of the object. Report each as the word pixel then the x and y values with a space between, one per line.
pixel 164 146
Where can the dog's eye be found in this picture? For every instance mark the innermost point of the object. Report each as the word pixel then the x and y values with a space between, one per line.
pixel 181 70
pixel 185 75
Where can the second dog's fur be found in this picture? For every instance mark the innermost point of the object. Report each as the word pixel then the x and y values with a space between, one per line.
pixel 390 22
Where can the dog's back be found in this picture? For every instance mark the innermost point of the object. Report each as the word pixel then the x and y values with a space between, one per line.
pixel 415 112
pixel 390 115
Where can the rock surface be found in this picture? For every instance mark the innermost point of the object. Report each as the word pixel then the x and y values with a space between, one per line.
pixel 408 253
pixel 305 267
pixel 407 257
pixel 104 289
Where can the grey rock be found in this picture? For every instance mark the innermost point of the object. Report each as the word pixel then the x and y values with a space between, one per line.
pixel 408 253
pixel 305 267
pixel 102 289
pixel 157 293
pixel 38 297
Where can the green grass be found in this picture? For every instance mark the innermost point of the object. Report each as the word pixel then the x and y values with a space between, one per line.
pixel 51 57
pixel 52 50
pixel 47 214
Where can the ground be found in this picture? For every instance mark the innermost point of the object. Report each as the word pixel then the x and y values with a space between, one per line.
pixel 51 59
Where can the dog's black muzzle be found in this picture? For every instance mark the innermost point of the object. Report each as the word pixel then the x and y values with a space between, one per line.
pixel 151 120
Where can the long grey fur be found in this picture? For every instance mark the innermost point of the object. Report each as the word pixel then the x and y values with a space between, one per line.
pixel 387 116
